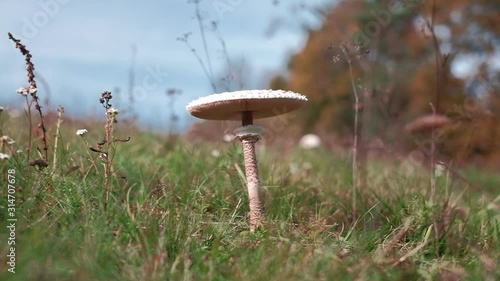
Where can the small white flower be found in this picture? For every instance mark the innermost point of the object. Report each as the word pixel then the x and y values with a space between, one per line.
pixel 28 90
pixel 439 168
pixel 4 156
pixel 113 111
pixel 19 151
pixel 228 137
pixel 215 153
pixel 81 132
pixel 22 91
pixel 309 141
pixel 32 90
pixel 7 140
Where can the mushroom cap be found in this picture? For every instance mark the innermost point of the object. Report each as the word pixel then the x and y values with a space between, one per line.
pixel 230 105
pixel 427 122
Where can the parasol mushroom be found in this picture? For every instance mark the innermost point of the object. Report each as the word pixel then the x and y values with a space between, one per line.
pixel 246 106
pixel 427 122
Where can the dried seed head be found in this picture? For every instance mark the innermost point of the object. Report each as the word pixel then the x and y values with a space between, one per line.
pixel 107 95
pixel 95 150
pixel 104 157
pixel 127 139
pixel 40 163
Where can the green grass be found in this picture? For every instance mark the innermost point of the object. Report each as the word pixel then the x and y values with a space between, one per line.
pixel 178 213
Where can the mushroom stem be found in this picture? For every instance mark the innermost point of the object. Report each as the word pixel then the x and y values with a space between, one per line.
pixel 248 136
pixel 246 118
pixel 253 183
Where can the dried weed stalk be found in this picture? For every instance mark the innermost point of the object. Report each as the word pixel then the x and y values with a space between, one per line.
pixel 348 53
pixel 105 147
pixel 32 90
pixel 440 61
pixel 60 111
pixel 108 134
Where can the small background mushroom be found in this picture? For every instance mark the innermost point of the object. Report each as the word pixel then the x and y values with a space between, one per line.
pixel 427 122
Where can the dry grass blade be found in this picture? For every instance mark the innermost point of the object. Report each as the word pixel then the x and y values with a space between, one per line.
pixel 416 249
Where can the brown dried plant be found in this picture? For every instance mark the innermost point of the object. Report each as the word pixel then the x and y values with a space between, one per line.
pixel 105 147
pixel 32 90
pixel 349 53
pixel 60 111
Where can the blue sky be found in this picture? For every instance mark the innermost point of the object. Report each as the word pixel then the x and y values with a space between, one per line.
pixel 82 48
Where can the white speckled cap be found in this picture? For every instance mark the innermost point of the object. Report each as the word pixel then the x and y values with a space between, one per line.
pixel 230 105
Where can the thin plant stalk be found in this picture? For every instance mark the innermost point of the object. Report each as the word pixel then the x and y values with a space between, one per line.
pixel 46 88
pixel 204 39
pixel 108 143
pixel 107 157
pixel 60 111
pixel 30 133
pixel 207 70
pixel 30 68
pixel 231 77
pixel 433 160
pixel 356 133
pixel 433 177
pixel 200 61
pixel 131 81
pixel 440 61
pixel 90 159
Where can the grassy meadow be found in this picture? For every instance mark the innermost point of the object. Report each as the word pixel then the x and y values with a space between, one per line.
pixel 177 211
